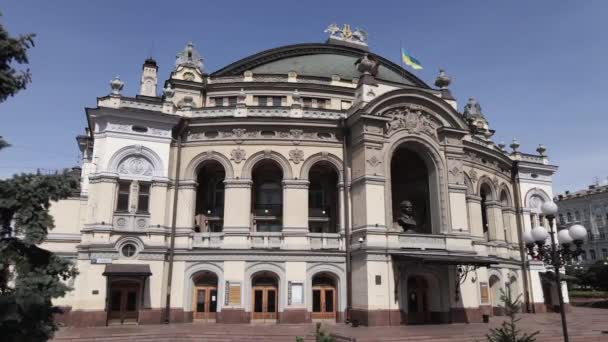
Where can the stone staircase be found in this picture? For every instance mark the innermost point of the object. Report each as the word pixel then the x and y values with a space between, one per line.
pixel 188 333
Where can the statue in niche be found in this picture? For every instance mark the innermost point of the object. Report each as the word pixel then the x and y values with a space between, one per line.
pixel 407 219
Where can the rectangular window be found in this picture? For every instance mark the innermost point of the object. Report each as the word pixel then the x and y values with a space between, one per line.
pixel 592 254
pixel 262 101
pixel 232 101
pixel 219 101
pixel 143 198
pixel 604 253
pixel 321 103
pixel 307 102
pixel 124 188
pixel 584 255
pixel 276 101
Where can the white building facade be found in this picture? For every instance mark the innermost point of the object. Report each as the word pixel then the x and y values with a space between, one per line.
pixel 272 190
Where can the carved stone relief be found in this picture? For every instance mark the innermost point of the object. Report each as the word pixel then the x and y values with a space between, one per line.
pixel 296 156
pixel 413 119
pixel 238 155
pixel 374 160
pixel 136 165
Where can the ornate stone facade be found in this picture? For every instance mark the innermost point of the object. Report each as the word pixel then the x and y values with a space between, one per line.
pixel 259 176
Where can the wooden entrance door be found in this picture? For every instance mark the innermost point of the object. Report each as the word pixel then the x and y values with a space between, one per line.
pixel 124 303
pixel 417 301
pixel 323 302
pixel 205 303
pixel 265 303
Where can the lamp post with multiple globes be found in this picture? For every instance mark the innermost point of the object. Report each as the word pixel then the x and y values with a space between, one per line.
pixel 554 255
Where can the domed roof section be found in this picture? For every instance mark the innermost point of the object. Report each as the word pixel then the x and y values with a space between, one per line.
pixel 317 60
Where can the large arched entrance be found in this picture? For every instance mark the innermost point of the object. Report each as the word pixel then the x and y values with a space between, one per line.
pixel 323 198
pixel 267 197
pixel 265 297
pixel 210 197
pixel 324 297
pixel 411 205
pixel 418 310
pixel 205 297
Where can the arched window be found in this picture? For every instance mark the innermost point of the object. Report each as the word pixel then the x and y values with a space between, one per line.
pixel 267 196
pixel 210 198
pixel 485 193
pixel 323 199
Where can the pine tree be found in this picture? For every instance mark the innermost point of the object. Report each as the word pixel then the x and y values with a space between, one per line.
pixel 30 277
pixel 508 331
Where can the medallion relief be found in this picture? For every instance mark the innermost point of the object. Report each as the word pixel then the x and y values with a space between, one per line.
pixel 238 155
pixel 296 156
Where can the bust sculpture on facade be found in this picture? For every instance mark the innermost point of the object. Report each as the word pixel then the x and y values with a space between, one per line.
pixel 407 219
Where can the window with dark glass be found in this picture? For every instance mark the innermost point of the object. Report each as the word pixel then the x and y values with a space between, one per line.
pixel 143 198
pixel 276 101
pixel 219 101
pixel 484 211
pixel 232 101
pixel 592 254
pixel 124 189
pixel 321 103
pixel 307 102
pixel 262 101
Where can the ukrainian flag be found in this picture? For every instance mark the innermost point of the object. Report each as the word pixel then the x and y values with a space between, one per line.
pixel 409 60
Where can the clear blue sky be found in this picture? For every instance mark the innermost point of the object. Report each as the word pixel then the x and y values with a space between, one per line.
pixel 538 68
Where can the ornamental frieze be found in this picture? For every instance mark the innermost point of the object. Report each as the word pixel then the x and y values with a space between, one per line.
pixel 412 119
pixel 239 134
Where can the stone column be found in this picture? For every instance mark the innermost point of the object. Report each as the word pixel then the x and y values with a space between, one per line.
pixel 341 209
pixel 495 221
pixel 237 212
pixel 158 202
pixel 186 204
pixel 295 213
pixel 475 221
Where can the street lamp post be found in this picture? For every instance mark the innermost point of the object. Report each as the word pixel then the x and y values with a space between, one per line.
pixel 554 255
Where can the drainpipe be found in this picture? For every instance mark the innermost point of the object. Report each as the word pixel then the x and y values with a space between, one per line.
pixel 181 129
pixel 347 222
pixel 522 252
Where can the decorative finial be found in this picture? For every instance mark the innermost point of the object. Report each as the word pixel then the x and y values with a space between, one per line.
pixel 541 149
pixel 168 91
pixel 472 109
pixel 116 86
pixel 442 81
pixel 189 57
pixel 514 145
pixel 502 146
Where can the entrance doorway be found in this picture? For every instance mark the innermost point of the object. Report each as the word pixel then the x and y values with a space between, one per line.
pixel 323 298
pixel 265 297
pixel 204 300
pixel 124 302
pixel 418 301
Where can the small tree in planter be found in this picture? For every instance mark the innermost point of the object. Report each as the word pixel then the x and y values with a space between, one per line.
pixel 508 331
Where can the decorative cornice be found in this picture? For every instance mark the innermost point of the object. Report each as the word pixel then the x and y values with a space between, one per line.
pixel 365 180
pixel 295 184
pixel 237 183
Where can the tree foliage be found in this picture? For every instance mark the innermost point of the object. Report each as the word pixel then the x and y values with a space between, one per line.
pixel 13 50
pixel 595 276
pixel 508 331
pixel 30 277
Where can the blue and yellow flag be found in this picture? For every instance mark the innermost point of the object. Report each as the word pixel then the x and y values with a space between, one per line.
pixel 409 60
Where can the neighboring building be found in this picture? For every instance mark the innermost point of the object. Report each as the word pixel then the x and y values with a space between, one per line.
pixel 589 208
pixel 263 175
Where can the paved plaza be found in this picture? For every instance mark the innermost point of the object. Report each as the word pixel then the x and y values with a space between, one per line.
pixel 585 325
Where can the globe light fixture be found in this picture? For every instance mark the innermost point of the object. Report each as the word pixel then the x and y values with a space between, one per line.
pixel 555 254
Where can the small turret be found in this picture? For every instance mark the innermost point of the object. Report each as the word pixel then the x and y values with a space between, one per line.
pixel 149 78
pixel 477 121
pixel 442 82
